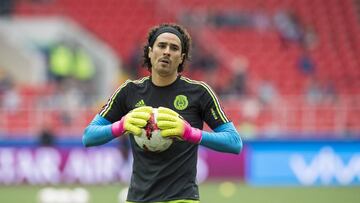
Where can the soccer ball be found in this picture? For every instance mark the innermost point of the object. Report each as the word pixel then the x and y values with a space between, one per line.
pixel 150 139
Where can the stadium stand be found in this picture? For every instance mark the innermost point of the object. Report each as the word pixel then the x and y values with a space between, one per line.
pixel 314 71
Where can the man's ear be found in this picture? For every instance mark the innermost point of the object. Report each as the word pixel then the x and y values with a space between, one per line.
pixel 182 57
pixel 150 52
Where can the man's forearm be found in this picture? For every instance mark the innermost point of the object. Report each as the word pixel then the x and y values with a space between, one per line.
pixel 225 138
pixel 98 132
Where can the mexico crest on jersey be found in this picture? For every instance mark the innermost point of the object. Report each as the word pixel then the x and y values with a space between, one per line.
pixel 181 102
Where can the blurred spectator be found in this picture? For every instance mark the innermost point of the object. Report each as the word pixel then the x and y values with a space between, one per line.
pixel 60 61
pixel 83 74
pixel 266 92
pixel 289 27
pixel 47 137
pixel 5 81
pixel 232 18
pixel 64 98
pixel 42 1
pixel 313 91
pixel 237 85
pixel 261 21
pixel 247 130
pixel 83 65
pixel 133 65
pixel 251 109
pixel 202 59
pixel 196 19
pixel 10 98
pixel 320 92
pixel 310 38
pixel 69 59
pixel 329 92
pixel 69 62
pixel 292 30
pixel 7 7
pixel 306 64
pixel 225 19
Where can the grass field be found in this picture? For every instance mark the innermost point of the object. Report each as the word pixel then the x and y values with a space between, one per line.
pixel 211 192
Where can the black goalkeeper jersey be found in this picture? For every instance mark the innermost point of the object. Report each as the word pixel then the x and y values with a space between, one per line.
pixel 171 174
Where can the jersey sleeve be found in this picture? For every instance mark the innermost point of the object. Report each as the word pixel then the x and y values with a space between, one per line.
pixel 212 112
pixel 115 108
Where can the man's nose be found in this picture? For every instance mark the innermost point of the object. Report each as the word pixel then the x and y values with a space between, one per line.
pixel 167 50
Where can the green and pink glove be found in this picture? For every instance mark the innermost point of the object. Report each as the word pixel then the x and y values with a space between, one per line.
pixel 173 125
pixel 132 122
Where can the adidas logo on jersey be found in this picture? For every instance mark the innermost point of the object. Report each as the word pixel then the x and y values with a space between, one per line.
pixel 140 103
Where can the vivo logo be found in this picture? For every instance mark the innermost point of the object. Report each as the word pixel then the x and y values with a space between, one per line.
pixel 326 167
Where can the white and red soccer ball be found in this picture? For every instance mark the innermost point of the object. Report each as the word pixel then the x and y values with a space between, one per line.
pixel 150 139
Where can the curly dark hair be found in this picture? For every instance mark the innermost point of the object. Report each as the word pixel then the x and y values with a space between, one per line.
pixel 185 49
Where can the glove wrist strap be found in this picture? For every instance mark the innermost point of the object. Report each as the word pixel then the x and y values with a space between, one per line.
pixel 191 134
pixel 117 128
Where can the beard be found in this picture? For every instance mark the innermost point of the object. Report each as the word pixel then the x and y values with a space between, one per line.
pixel 165 69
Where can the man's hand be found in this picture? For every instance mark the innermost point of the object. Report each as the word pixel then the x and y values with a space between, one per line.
pixel 132 122
pixel 173 125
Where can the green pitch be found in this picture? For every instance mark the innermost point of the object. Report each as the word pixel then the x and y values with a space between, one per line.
pixel 211 192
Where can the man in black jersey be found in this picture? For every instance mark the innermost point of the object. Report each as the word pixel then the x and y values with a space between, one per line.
pixel 183 106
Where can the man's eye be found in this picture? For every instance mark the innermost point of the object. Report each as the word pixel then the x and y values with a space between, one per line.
pixel 175 48
pixel 161 45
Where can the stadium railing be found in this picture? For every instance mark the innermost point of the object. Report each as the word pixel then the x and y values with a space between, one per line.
pixel 287 116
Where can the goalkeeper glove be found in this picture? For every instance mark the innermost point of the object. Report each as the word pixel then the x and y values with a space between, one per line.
pixel 172 124
pixel 132 122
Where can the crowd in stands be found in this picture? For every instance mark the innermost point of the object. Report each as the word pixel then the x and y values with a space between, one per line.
pixel 70 87
pixel 72 71
pixel 10 98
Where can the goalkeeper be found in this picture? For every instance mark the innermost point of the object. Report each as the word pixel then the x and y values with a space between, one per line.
pixel 184 105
